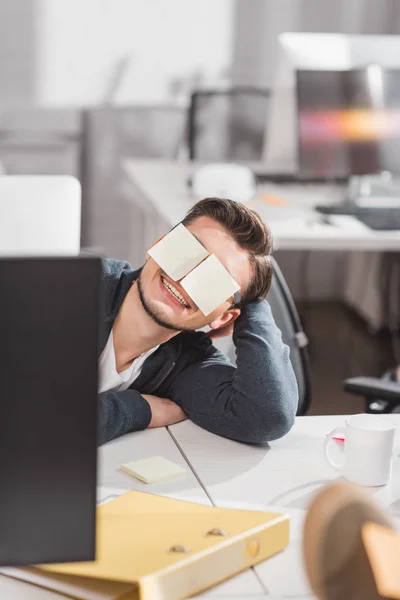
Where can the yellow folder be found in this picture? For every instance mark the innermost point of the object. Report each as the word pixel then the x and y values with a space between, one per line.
pixel 172 549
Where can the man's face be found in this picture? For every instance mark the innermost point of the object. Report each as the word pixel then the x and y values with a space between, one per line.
pixel 158 292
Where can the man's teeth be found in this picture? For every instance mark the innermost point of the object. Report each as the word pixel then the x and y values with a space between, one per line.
pixel 174 292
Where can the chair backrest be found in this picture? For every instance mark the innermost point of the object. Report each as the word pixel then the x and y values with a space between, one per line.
pixel 227 124
pixel 150 131
pixel 288 321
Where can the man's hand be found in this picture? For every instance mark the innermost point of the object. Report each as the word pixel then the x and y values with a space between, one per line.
pixel 164 412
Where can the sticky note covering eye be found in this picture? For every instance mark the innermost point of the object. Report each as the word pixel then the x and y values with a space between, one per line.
pixel 153 470
pixel 178 252
pixel 209 285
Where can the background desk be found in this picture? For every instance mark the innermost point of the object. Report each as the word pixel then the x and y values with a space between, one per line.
pixel 161 188
pixel 282 476
pixel 159 197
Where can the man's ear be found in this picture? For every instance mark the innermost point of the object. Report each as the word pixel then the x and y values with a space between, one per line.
pixel 227 318
pixel 153 244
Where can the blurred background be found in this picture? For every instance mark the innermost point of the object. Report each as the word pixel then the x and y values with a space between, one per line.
pixel 121 92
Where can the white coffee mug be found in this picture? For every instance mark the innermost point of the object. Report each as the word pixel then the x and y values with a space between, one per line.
pixel 368 449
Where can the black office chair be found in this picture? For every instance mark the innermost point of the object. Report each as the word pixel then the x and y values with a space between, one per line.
pixel 287 319
pixel 227 124
pixel 382 394
pixel 150 131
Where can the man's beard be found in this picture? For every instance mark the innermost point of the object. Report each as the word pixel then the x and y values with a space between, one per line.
pixel 155 315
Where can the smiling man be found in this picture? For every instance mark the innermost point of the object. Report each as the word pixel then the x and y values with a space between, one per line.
pixel 157 369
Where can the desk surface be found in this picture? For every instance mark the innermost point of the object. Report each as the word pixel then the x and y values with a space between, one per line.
pixel 161 187
pixel 282 476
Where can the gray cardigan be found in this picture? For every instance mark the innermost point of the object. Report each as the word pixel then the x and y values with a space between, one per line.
pixel 254 402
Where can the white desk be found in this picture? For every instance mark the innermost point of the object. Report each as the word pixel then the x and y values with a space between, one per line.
pixel 145 444
pixel 161 190
pixel 114 482
pixel 283 477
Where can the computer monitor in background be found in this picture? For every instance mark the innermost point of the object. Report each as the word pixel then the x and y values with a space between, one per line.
pixel 314 52
pixel 348 122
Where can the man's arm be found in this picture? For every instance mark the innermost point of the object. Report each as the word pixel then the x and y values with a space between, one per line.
pixel 122 412
pixel 127 411
pixel 255 402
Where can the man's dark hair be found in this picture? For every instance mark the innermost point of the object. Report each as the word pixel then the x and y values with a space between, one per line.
pixel 250 233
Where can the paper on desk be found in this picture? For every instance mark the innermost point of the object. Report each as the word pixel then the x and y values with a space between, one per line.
pixel 82 588
pixel 106 494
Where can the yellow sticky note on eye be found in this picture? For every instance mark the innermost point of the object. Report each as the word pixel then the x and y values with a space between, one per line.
pixel 153 470
pixel 178 252
pixel 209 285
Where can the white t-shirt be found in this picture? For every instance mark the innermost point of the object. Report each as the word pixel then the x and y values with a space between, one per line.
pixel 109 378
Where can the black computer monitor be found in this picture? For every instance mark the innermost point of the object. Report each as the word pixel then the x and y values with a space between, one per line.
pixel 49 316
pixel 348 122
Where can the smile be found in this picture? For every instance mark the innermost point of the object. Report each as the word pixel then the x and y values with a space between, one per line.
pixel 174 292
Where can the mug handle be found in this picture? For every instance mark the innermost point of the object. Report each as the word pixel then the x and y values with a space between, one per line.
pixel 336 465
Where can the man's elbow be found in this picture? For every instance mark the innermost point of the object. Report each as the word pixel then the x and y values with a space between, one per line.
pixel 270 428
pixel 279 417
pixel 273 424
pixel 279 427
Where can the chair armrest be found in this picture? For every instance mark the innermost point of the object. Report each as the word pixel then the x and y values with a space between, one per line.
pixel 373 387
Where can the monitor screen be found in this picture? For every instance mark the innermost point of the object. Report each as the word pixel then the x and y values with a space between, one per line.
pixel 49 323
pixel 348 122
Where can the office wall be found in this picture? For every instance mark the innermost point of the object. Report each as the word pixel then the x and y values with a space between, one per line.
pixel 258 23
pixel 17 51
pixel 157 42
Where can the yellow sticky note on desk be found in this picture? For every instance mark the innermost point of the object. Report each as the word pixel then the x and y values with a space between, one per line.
pixel 153 470
pixel 273 200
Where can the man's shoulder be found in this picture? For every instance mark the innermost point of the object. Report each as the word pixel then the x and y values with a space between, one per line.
pixel 117 276
pixel 114 269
